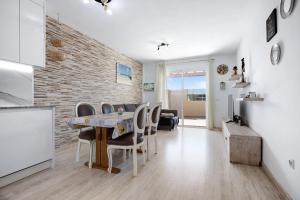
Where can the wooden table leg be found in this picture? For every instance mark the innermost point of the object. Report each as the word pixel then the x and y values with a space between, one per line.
pixel 101 150
pixel 98 146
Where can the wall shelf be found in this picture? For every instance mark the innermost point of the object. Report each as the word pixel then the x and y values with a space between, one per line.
pixel 240 85
pixel 250 99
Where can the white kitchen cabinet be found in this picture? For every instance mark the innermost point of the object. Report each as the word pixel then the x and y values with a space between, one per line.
pixel 26 139
pixel 9 33
pixel 32 33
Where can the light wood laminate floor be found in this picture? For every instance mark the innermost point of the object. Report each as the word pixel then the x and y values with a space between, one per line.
pixel 190 164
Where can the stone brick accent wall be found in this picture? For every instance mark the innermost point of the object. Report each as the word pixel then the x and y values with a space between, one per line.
pixel 87 74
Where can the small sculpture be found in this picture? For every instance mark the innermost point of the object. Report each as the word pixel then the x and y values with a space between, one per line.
pixel 222 85
pixel 243 64
pixel 243 70
pixel 235 71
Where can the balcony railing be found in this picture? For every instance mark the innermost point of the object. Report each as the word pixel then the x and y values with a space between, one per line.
pixel 193 105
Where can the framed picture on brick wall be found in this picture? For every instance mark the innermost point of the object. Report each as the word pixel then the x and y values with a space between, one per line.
pixel 124 74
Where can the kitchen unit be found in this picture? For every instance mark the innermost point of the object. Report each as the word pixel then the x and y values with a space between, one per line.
pixel 26 141
pixel 22 35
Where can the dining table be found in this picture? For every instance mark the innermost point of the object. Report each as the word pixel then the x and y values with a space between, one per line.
pixel 110 125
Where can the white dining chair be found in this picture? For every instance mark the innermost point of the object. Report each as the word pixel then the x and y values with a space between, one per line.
pixel 106 108
pixel 151 128
pixel 131 141
pixel 86 135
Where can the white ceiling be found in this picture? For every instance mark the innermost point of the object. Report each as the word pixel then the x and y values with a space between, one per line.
pixel 192 27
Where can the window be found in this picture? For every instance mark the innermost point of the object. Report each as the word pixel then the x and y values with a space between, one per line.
pixel 194 87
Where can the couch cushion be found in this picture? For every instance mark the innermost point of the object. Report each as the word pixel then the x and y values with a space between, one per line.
pixel 119 106
pixel 175 112
pixel 167 114
pixel 130 107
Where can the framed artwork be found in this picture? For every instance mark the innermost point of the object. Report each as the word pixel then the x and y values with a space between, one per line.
pixel 222 69
pixel 287 7
pixel 271 25
pixel 275 54
pixel 149 87
pixel 124 74
pixel 222 85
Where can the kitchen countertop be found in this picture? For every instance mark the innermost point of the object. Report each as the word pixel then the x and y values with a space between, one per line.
pixel 23 107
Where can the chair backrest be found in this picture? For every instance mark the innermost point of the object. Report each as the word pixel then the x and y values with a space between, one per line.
pixel 130 107
pixel 84 109
pixel 154 116
pixel 139 121
pixel 106 108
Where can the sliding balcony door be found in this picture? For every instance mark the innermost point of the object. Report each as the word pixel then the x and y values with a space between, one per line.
pixel 187 94
pixel 175 93
pixel 194 105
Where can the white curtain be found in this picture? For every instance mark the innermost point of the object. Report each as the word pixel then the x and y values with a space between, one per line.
pixel 161 85
pixel 209 98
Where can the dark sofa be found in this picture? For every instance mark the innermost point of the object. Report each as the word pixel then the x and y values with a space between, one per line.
pixel 168 119
pixel 126 107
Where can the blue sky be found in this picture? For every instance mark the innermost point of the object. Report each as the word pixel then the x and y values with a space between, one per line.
pixel 190 83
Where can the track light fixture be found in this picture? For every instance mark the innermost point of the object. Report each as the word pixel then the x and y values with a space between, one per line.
pixel 163 44
pixel 105 4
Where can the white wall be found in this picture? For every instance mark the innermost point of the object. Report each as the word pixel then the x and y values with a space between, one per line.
pixel 149 76
pixel 276 119
pixel 220 96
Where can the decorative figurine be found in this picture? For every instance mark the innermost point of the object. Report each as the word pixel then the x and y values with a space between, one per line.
pixel 243 70
pixel 235 71
pixel 222 85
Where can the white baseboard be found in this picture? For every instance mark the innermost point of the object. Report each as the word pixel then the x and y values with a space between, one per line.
pixel 6 180
pixel 283 193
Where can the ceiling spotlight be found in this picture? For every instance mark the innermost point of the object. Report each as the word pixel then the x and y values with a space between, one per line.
pixel 86 1
pixel 163 44
pixel 105 4
pixel 107 10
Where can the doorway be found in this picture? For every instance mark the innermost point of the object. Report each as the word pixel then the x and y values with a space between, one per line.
pixel 187 94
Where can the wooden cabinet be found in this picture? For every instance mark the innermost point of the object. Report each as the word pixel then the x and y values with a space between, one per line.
pixel 9 34
pixel 32 33
pixel 22 34
pixel 243 145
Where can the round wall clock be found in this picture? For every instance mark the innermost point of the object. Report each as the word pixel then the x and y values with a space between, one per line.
pixel 222 69
pixel 286 8
pixel 275 54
